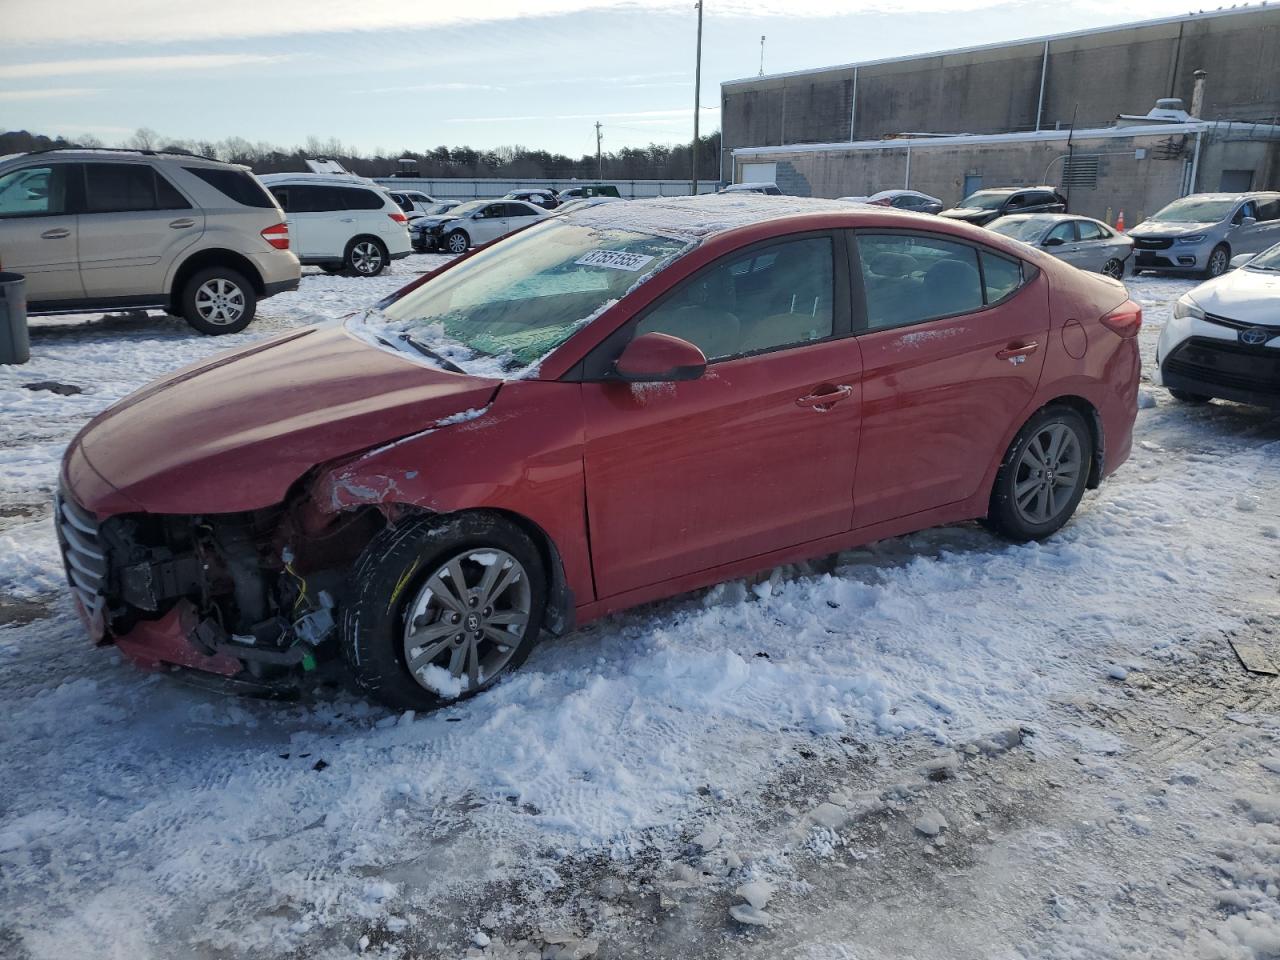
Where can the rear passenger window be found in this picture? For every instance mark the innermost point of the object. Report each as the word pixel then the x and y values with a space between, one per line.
pixel 128 187
pixel 237 185
pixel 911 279
pixel 1087 230
pixel 775 297
pixel 1268 210
pixel 357 199
pixel 306 198
pixel 1000 276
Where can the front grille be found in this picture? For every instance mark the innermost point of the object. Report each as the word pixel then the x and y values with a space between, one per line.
pixel 1237 325
pixel 1152 243
pixel 83 555
pixel 1227 364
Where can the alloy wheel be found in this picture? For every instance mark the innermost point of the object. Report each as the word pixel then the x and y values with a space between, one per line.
pixel 219 302
pixel 366 258
pixel 1218 261
pixel 457 243
pixel 1047 475
pixel 466 621
pixel 1114 268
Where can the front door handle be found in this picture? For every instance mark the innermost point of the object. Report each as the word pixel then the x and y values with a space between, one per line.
pixel 1017 353
pixel 182 222
pixel 56 233
pixel 827 399
pixel 348 219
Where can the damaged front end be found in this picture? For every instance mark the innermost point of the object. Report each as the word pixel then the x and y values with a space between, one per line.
pixel 252 596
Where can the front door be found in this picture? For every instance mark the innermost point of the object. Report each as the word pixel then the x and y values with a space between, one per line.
pixel 491 226
pixel 951 356
pixel 38 233
pixel 135 223
pixel 756 455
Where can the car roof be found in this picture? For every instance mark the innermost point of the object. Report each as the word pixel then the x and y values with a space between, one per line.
pixel 122 153
pixel 342 179
pixel 696 218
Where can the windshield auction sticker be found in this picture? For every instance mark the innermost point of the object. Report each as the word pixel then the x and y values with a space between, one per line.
pixel 614 259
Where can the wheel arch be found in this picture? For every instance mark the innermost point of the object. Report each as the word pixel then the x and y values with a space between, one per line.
pixel 213 257
pixel 1093 419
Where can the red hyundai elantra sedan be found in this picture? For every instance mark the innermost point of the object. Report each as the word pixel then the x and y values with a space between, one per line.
pixel 612 406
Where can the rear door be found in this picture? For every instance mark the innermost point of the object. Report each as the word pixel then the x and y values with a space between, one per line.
pixel 520 215
pixel 756 455
pixel 953 341
pixel 316 215
pixel 134 225
pixel 1096 246
pixel 38 229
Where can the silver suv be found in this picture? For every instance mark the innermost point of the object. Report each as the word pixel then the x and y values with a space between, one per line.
pixel 100 230
pixel 1201 233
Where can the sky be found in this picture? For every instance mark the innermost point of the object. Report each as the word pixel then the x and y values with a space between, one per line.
pixel 385 76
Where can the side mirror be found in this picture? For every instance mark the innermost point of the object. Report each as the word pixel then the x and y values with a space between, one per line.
pixel 660 358
pixel 1248 221
pixel 1240 259
pixel 1053 242
pixel 478 215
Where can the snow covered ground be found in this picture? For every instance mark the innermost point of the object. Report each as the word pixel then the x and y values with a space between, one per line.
pixel 938 746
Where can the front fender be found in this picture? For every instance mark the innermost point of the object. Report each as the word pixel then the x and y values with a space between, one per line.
pixel 522 455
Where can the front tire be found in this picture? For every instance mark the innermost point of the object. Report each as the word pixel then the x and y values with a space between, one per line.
pixel 1042 477
pixel 366 257
pixel 457 242
pixel 218 300
pixel 441 608
pixel 1219 261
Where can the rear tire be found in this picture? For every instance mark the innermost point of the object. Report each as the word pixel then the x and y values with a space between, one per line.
pixel 365 257
pixel 1042 477
pixel 1185 396
pixel 1114 268
pixel 407 572
pixel 218 300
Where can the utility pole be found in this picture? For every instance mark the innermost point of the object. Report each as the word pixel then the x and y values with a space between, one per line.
pixel 599 155
pixel 762 55
pixel 697 104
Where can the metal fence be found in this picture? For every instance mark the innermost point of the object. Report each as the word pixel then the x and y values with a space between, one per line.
pixel 450 188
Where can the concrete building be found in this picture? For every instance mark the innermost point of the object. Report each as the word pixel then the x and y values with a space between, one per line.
pixel 1007 111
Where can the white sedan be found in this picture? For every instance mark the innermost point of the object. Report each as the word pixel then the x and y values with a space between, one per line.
pixel 472 224
pixel 1224 338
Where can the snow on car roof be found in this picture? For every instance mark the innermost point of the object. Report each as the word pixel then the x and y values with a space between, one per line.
pixel 695 218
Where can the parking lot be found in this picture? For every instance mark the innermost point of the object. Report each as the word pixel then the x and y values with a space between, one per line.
pixel 936 746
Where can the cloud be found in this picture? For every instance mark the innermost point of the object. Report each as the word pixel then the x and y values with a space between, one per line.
pixel 48 93
pixel 91 21
pixel 435 87
pixel 197 61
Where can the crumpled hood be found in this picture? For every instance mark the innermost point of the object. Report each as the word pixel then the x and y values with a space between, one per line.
pixel 235 432
pixel 1246 296
pixel 433 221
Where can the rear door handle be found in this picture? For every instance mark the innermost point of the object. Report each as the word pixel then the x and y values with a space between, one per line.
pixel 348 219
pixel 56 233
pixel 1017 353
pixel 824 401
pixel 182 222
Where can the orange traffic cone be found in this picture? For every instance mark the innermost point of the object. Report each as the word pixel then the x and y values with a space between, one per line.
pixel 1120 222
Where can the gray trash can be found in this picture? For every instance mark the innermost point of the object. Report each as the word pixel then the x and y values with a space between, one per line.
pixel 15 344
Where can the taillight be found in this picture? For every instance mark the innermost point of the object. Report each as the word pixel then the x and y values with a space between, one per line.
pixel 277 236
pixel 398 217
pixel 1125 320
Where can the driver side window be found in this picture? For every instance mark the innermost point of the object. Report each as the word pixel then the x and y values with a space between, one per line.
pixel 771 297
pixel 1065 231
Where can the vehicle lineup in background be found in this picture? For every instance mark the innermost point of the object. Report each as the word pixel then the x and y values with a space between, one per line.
pixel 1080 241
pixel 97 230
pixel 1224 339
pixel 414 203
pixel 1200 234
pixel 983 206
pixel 910 200
pixel 619 404
pixel 472 224
pixel 341 222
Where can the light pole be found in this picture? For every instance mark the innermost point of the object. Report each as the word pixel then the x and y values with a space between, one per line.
pixel 697 104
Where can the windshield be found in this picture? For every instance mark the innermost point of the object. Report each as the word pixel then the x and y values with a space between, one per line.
pixel 498 313
pixel 1026 229
pixel 1195 210
pixel 985 199
pixel 1267 260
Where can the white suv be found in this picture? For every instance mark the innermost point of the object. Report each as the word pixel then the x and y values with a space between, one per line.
pixel 341 222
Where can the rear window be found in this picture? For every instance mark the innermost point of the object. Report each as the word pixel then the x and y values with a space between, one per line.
pixel 237 185
pixel 358 199
pixel 127 187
